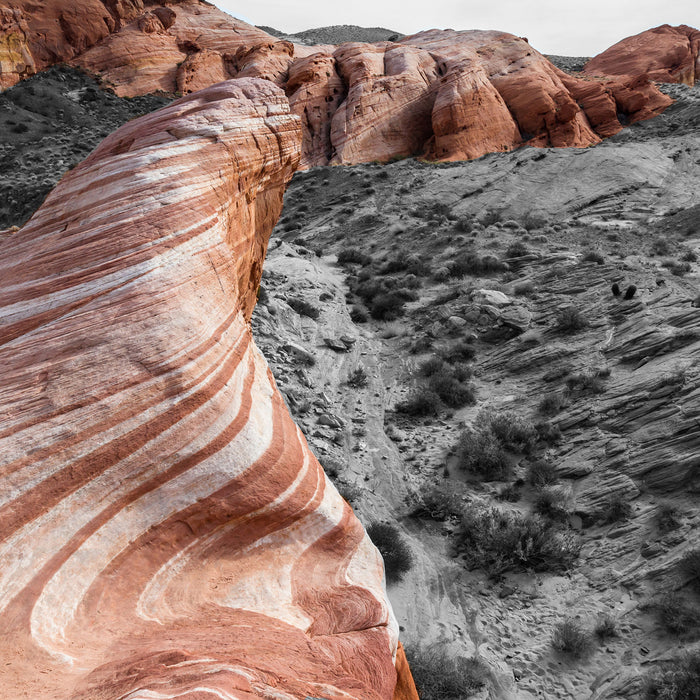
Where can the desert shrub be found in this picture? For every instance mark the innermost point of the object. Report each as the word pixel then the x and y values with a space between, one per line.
pixel 490 216
pixel 498 541
pixel 553 502
pixel 353 255
pixel 570 319
pixel 660 246
pixel 350 492
pixel 675 614
pixel 548 432
pixel 387 306
pixel 442 677
pixel 421 402
pixel 688 255
pixel 460 350
pixel 516 249
pixel 667 517
pixel 480 452
pixel 676 267
pixel 394 550
pixel 514 433
pixel 473 264
pixel 431 366
pixel 689 566
pixel 439 503
pixel 541 473
pixel 532 221
pixel 510 493
pixel 357 379
pixel 572 638
pixel 551 404
pixel 358 315
pixel 524 289
pixel 453 393
pixel 304 308
pixel 616 509
pixel 677 680
pixel 606 627
pixel 585 383
pixel 593 256
pixel 461 371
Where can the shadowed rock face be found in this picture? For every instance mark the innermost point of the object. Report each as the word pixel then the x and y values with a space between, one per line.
pixel 446 95
pixel 666 54
pixel 165 527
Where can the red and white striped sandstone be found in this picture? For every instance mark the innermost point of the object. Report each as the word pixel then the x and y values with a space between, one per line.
pixel 166 532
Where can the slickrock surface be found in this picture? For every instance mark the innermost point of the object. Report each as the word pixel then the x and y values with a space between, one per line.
pixel 34 35
pixel 446 95
pixel 666 54
pixel 165 529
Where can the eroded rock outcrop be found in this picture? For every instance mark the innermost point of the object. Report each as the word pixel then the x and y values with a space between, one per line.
pixel 442 94
pixel 165 528
pixel 34 36
pixel 666 54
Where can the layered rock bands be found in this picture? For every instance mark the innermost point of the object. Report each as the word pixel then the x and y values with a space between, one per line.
pixel 166 531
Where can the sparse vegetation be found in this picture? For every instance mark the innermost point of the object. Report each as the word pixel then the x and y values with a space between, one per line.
pixel 442 677
pixel 551 404
pixel 304 308
pixel 606 628
pixel 675 613
pixel 571 638
pixel 421 402
pixel 570 319
pixel 541 473
pixel 498 541
pixel 394 550
pixel 353 255
pixel 616 509
pixel 677 680
pixel 593 256
pixel 439 503
pixel 357 379
pixel 524 289
pixel 553 502
pixel 668 517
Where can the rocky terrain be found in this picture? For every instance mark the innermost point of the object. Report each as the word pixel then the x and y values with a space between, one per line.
pixel 336 34
pixel 615 400
pixel 667 54
pixel 495 361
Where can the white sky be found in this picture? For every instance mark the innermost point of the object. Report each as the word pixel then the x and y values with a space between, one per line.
pixel 552 26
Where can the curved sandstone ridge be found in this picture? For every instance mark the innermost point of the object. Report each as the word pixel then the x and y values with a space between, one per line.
pixel 166 531
pixel 446 95
pixel 666 54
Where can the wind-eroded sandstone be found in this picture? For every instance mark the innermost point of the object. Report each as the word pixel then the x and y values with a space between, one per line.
pixel 666 54
pixel 165 527
pixel 446 95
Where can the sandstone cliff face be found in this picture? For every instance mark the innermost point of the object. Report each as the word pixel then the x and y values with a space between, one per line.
pixel 165 527
pixel 34 36
pixel 666 54
pixel 446 95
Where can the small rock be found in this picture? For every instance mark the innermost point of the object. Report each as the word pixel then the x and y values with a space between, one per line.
pixel 336 344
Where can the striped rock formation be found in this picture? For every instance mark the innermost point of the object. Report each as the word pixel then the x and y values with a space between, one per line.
pixel 446 95
pixel 666 54
pixel 166 532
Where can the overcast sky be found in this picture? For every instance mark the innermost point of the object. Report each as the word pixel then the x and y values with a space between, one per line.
pixel 552 26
